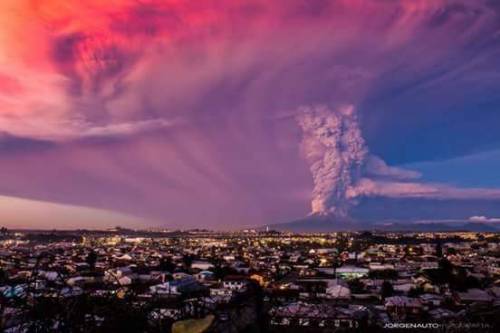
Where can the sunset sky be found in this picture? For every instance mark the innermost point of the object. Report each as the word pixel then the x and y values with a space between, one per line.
pixel 224 114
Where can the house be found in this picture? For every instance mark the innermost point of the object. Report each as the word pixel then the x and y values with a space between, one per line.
pixel 180 284
pixel 229 258
pixel 113 275
pixel 474 296
pixel 401 307
pixel 374 266
pixel 352 272
pixel 338 291
pixel 71 292
pixel 241 267
pixel 48 275
pixel 302 314
pixel 204 276
pixel 18 291
pixel 79 281
pixel 431 299
pixel 429 265
pixel 222 292
pixel 162 313
pixel 403 287
pixel 124 257
pixel 127 280
pixel 201 265
pixel 442 314
pixel 260 278
pixel 235 282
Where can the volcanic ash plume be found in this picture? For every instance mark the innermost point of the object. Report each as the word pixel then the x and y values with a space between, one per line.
pixel 336 152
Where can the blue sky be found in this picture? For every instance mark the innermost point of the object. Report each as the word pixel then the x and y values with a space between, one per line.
pixel 475 170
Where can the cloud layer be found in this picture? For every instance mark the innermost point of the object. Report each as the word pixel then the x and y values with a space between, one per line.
pixel 28 214
pixel 186 110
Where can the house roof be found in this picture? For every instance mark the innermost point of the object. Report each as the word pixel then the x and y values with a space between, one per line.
pixel 402 301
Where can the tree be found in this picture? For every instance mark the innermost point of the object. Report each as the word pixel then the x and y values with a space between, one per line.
pixel 356 247
pixel 451 251
pixel 439 249
pixel 415 292
pixel 3 276
pixel 187 260
pixel 335 264
pixel 390 274
pixel 342 243
pixel 446 268
pixel 459 281
pixel 221 271
pixel 407 251
pixel 167 265
pixel 356 286
pixel 91 259
pixel 387 289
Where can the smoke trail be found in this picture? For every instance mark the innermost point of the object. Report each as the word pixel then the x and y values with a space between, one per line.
pixel 336 152
pixel 343 170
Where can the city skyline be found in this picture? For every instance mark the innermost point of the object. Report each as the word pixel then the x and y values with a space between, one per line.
pixel 225 114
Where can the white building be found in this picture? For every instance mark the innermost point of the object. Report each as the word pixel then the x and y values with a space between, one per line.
pixel 184 283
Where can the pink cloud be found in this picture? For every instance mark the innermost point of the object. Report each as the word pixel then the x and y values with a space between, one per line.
pixel 196 86
pixel 377 167
pixel 101 60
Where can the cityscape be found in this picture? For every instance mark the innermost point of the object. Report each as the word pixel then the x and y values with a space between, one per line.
pixel 248 281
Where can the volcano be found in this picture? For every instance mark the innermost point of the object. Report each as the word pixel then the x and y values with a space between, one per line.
pixel 320 223
pixel 316 223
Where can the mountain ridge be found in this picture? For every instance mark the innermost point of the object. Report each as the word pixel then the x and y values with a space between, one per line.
pixel 328 223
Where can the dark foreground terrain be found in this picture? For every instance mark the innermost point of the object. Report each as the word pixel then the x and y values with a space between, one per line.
pixel 249 281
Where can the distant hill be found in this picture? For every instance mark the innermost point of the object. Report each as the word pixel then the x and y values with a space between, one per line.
pixel 440 226
pixel 327 223
pixel 319 223
pixel 481 227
